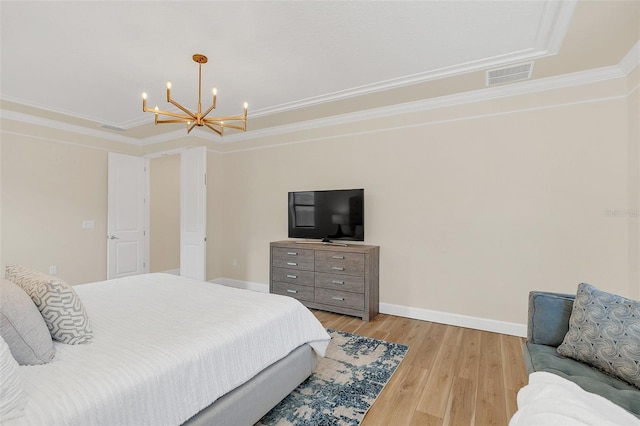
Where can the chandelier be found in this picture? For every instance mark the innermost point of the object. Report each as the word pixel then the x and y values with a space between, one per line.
pixel 193 119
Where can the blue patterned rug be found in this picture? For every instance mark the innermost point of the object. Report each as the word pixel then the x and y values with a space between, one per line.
pixel 344 386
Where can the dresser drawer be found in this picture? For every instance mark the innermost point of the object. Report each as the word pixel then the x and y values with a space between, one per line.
pixel 302 259
pixel 292 276
pixel 340 298
pixel 300 292
pixel 351 283
pixel 337 262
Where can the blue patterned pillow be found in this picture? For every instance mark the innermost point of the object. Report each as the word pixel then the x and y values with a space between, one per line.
pixel 604 331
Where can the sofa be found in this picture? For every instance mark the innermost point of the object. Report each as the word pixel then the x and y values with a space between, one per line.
pixel 548 323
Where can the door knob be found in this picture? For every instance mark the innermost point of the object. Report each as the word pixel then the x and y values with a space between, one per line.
pixel 113 237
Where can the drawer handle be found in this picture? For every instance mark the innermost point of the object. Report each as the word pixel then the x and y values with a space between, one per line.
pixel 337 268
pixel 292 264
pixel 338 298
pixel 337 257
pixel 337 282
pixel 292 291
pixel 292 276
pixel 292 253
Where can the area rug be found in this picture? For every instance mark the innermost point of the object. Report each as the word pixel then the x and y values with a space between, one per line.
pixel 344 386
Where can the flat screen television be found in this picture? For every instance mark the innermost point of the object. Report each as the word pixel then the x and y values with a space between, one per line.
pixel 327 215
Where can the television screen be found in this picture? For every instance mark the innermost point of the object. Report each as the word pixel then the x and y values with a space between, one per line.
pixel 327 215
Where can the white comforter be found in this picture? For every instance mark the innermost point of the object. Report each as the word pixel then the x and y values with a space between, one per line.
pixel 549 399
pixel 164 348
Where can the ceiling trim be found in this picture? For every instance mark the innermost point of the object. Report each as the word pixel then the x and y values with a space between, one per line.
pixel 67 127
pixel 626 65
pixel 552 28
pixel 424 124
pixel 523 88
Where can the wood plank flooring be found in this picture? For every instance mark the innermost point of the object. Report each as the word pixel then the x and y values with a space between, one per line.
pixel 450 376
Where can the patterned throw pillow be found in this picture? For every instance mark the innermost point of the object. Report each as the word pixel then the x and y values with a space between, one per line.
pixel 604 331
pixel 60 306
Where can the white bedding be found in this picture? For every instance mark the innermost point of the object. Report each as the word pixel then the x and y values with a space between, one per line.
pixel 549 399
pixel 163 349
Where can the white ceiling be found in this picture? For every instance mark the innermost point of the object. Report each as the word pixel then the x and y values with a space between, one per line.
pixel 93 59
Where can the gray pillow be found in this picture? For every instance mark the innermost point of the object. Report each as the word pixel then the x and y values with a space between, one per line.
pixel 60 306
pixel 604 331
pixel 22 326
pixel 12 396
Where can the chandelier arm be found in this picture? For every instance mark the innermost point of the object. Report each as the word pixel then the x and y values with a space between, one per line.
pixel 211 108
pixel 227 118
pixel 233 126
pixel 182 120
pixel 214 129
pixel 171 114
pixel 189 129
pixel 189 113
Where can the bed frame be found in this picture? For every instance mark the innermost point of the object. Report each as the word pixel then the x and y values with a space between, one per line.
pixel 248 403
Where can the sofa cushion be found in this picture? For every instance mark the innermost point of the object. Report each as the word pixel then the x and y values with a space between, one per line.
pixel 22 326
pixel 60 306
pixel 604 331
pixel 546 358
pixel 549 315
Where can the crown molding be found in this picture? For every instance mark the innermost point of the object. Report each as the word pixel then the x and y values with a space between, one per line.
pixel 630 61
pixel 554 24
pixel 486 94
pixel 72 128
pixel 552 28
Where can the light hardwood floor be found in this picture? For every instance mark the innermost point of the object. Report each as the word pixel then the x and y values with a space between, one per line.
pixel 450 376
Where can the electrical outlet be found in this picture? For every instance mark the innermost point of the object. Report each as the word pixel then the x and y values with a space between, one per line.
pixel 53 269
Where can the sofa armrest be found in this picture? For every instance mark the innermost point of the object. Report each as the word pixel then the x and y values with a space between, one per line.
pixel 549 314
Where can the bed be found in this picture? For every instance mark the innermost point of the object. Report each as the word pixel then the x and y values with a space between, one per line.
pixel 168 351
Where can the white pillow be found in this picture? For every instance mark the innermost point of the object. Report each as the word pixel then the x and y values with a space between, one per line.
pixel 60 306
pixel 12 396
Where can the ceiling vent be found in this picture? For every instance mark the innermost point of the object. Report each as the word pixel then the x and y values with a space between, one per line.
pixel 509 74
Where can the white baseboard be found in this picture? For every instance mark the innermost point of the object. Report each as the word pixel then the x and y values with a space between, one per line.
pixel 172 271
pixel 484 324
pixel 246 285
pixel 476 323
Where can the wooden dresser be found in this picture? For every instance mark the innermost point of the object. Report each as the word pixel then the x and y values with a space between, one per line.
pixel 327 277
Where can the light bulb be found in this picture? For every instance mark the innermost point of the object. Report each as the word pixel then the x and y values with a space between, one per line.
pixel 215 91
pixel 156 107
pixel 168 85
pixel 144 95
pixel 246 105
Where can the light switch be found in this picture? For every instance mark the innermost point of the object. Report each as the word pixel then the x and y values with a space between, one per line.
pixel 88 224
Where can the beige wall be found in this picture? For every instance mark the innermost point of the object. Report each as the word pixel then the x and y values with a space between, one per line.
pixel 48 190
pixel 473 206
pixel 164 216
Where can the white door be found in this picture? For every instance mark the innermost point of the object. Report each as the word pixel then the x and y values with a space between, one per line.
pixel 126 216
pixel 193 213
